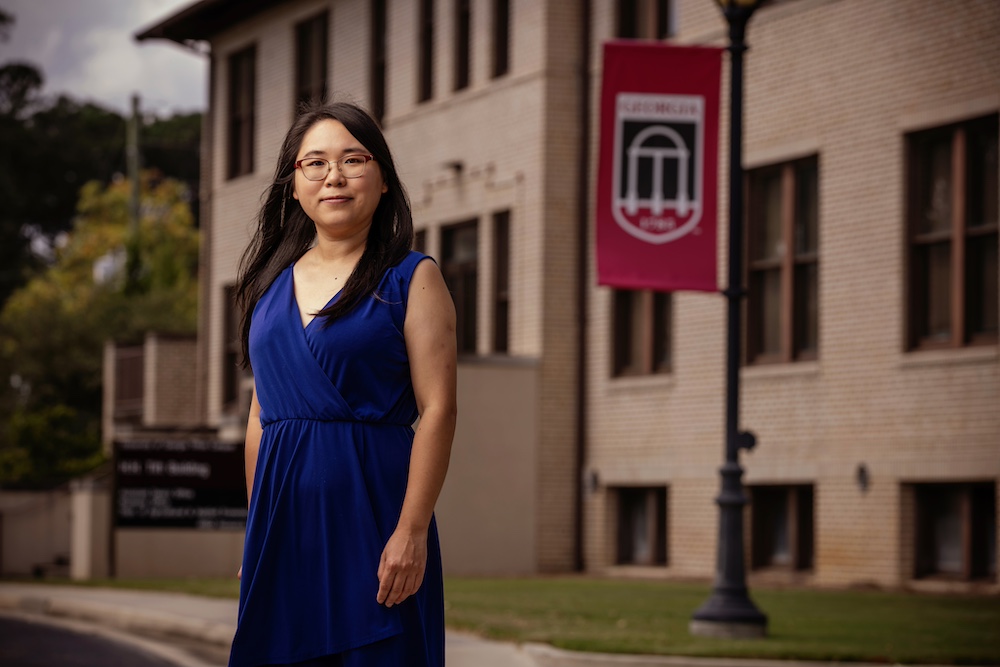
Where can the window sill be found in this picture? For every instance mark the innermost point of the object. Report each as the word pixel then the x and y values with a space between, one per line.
pixel 942 585
pixel 949 357
pixel 652 380
pixel 638 571
pixel 794 369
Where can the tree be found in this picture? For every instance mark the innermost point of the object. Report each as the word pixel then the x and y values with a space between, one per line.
pixel 52 330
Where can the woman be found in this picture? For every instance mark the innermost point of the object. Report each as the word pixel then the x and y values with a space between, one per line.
pixel 351 337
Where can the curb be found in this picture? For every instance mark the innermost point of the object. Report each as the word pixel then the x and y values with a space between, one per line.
pixel 141 622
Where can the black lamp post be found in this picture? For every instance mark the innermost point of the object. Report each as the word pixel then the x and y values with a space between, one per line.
pixel 730 612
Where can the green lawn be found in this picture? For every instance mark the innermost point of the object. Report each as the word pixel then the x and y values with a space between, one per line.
pixel 616 616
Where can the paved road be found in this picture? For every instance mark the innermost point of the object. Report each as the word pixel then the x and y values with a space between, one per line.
pixel 25 643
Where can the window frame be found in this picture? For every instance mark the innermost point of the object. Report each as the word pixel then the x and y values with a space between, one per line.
pixel 377 74
pixel 501 38
pixel 656 502
pixel 462 41
pixel 794 320
pixel 975 546
pixel 636 348
pixel 656 16
pixel 241 112
pixel 501 282
pixel 958 235
pixel 800 526
pixel 312 51
pixel 425 54
pixel 462 279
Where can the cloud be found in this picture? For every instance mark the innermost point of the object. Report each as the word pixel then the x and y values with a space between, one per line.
pixel 87 50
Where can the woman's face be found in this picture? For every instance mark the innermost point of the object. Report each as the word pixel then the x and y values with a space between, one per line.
pixel 340 207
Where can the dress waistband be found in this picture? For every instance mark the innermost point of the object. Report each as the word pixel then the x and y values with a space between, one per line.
pixel 362 422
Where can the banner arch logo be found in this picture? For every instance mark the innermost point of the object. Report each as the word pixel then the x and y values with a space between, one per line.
pixel 658 165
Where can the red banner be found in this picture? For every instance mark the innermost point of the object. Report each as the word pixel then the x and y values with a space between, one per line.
pixel 658 171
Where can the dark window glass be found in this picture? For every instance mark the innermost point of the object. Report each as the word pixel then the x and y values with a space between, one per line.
pixel 642 332
pixel 956 531
pixel 642 526
pixel 463 37
pixel 501 37
pixel 783 262
pixel 426 55
pixel 782 527
pixel 953 235
pixel 420 240
pixel 311 60
pixel 460 266
pixel 644 19
pixel 501 281
pixel 378 62
pixel 241 112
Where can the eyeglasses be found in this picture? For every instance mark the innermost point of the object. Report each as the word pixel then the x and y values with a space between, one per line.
pixel 317 169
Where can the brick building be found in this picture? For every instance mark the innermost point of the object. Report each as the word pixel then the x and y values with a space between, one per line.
pixel 591 420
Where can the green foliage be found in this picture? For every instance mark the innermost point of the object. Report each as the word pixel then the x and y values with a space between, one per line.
pixel 53 330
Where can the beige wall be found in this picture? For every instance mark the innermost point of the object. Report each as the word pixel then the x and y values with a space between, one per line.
pixel 34 531
pixel 488 507
pixel 177 552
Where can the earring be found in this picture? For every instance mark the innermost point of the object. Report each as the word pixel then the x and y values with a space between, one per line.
pixel 284 197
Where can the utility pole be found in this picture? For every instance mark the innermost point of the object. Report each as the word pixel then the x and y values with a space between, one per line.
pixel 132 160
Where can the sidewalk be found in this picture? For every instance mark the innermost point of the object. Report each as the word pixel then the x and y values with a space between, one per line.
pixel 205 626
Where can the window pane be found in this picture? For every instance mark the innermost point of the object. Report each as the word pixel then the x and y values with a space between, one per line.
pixel 935 291
pixel 981 186
pixel 501 279
pixel 628 332
pixel 946 527
pixel 806 312
pixel 981 295
pixel 662 331
pixel 934 164
pixel 642 526
pixel 501 37
pixel 460 266
pixel 765 313
pixel 463 20
pixel 766 239
pixel 806 207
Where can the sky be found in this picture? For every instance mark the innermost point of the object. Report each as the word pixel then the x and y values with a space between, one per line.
pixel 87 50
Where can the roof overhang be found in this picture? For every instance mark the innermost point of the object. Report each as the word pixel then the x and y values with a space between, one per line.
pixel 201 21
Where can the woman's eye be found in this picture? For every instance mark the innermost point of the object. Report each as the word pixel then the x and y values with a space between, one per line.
pixel 353 160
pixel 315 163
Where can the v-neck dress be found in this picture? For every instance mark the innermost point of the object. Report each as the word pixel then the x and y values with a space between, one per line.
pixel 337 408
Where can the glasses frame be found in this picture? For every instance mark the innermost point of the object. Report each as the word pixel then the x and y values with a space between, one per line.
pixel 368 157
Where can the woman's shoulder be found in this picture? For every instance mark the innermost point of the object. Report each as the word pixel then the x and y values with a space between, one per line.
pixel 408 264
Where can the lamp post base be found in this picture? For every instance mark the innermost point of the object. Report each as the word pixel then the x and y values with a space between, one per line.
pixel 727 630
pixel 729 614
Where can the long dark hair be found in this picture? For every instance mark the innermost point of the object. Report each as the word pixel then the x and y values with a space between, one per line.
pixel 284 232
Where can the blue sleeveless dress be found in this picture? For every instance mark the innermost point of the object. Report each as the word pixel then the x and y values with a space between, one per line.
pixel 337 406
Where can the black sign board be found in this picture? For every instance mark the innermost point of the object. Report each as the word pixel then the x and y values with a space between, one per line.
pixel 179 484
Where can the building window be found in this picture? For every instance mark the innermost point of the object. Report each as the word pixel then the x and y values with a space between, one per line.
pixel 463 36
pixel 642 332
pixel 783 266
pixel 952 212
pixel 642 526
pixel 956 531
pixel 460 266
pixel 420 241
pixel 378 61
pixel 645 19
pixel 129 380
pixel 501 281
pixel 426 59
pixel 501 37
pixel 782 534
pixel 242 96
pixel 310 60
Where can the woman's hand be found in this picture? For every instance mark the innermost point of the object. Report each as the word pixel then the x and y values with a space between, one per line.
pixel 401 569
